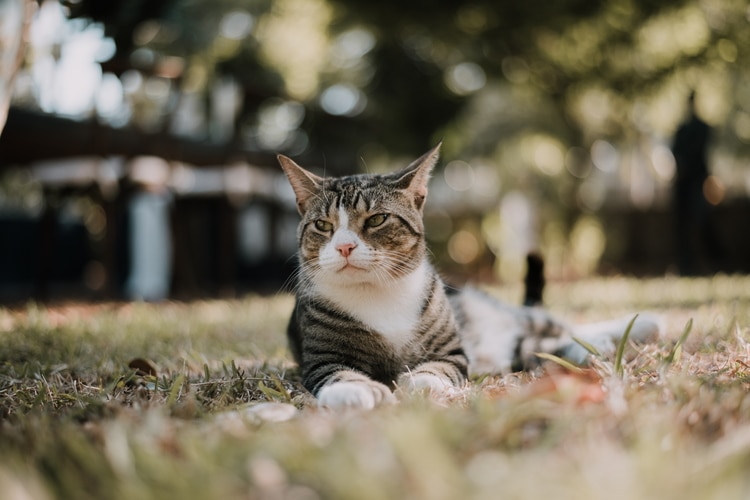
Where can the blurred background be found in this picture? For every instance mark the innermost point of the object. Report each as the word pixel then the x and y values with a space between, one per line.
pixel 138 156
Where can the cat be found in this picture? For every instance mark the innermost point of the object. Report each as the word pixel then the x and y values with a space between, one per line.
pixel 371 313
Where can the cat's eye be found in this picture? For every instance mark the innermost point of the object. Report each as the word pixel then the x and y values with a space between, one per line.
pixel 376 220
pixel 323 225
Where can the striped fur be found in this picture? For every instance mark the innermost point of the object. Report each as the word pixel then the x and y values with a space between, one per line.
pixel 372 315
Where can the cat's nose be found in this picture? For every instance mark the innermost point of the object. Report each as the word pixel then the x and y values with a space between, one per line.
pixel 346 248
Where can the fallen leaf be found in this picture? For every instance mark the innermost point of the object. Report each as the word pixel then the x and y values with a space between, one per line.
pixel 579 387
pixel 142 367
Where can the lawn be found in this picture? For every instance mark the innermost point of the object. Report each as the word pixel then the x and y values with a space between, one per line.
pixel 200 400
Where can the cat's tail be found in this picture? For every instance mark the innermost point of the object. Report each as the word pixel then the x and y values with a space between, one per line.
pixel 534 280
pixel 605 335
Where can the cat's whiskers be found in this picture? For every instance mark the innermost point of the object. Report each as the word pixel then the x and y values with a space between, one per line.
pixel 293 282
pixel 397 271
pixel 394 262
pixel 384 268
pixel 307 275
pixel 383 276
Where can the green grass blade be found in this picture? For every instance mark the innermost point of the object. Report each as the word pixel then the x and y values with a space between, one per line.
pixel 560 361
pixel 590 348
pixel 273 394
pixel 677 349
pixel 282 390
pixel 174 392
pixel 621 347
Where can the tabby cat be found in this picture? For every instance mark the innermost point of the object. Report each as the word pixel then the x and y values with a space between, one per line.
pixel 372 314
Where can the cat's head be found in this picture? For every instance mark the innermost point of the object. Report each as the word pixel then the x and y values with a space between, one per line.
pixel 361 229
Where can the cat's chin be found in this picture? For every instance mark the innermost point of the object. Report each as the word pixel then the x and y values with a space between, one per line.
pixel 351 277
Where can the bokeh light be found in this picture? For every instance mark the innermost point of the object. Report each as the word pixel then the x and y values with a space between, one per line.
pixel 343 99
pixel 713 190
pixel 465 78
pixel 463 247
pixel 587 244
pixel 459 175
pixel 294 40
pixel 236 25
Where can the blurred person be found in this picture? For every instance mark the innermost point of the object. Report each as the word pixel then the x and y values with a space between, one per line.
pixel 694 231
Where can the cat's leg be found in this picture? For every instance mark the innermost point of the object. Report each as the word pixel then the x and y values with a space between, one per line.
pixel 350 389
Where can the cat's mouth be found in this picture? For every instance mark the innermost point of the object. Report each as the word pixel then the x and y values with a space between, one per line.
pixel 348 266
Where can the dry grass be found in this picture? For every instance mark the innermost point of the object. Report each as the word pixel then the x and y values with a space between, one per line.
pixel 224 415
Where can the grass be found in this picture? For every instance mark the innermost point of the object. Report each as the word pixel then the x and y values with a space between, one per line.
pixel 214 408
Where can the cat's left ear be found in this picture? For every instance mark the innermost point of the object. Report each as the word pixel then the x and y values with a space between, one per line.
pixel 415 177
pixel 305 184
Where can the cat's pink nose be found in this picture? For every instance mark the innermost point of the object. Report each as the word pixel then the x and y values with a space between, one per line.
pixel 346 248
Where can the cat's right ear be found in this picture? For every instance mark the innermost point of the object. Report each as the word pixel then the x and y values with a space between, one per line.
pixel 305 184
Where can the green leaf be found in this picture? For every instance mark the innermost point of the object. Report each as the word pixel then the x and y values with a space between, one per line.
pixel 272 394
pixel 280 386
pixel 621 347
pixel 676 351
pixel 590 348
pixel 560 361
pixel 174 392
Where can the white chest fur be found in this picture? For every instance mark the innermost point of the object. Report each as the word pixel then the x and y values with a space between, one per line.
pixel 392 310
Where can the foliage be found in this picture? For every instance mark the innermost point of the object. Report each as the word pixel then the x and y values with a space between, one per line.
pixel 572 104
pixel 206 413
pixel 594 67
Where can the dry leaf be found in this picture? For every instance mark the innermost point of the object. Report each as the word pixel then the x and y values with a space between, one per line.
pixel 142 367
pixel 579 387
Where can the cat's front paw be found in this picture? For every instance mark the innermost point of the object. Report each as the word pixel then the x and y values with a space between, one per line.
pixel 354 394
pixel 424 382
